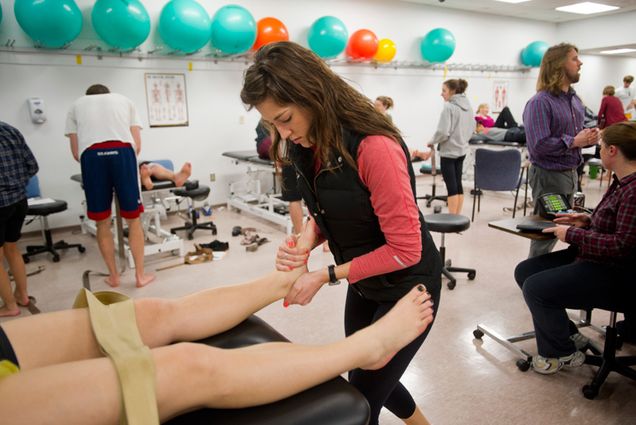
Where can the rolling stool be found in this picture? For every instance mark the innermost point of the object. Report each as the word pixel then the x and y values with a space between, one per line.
pixel 42 210
pixel 195 194
pixel 449 223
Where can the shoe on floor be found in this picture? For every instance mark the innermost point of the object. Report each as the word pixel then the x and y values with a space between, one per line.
pixel 580 341
pixel 551 365
pixel 626 330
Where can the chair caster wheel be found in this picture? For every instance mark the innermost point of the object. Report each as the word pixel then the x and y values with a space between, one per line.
pixel 81 249
pixel 448 263
pixel 478 334
pixel 56 258
pixel 451 285
pixel 471 275
pixel 190 237
pixel 589 392
pixel 30 248
pixel 523 365
pixel 26 259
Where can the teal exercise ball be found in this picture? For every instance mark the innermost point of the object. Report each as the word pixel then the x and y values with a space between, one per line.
pixel 184 25
pixel 0 13
pixel 438 45
pixel 328 37
pixel 533 53
pixel 122 24
pixel 233 29
pixel 50 23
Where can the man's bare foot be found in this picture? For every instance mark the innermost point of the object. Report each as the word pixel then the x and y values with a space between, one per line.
pixel 182 176
pixel 144 175
pixel 112 281
pixel 400 326
pixel 9 312
pixel 21 299
pixel 144 279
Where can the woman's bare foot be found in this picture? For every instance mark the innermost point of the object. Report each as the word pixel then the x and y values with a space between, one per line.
pixel 9 312
pixel 112 281
pixel 399 327
pixel 144 175
pixel 145 279
pixel 182 176
pixel 22 299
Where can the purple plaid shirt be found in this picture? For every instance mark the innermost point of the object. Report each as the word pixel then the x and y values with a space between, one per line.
pixel 551 123
pixel 611 236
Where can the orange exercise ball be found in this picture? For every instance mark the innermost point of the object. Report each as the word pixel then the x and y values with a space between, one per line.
pixel 386 50
pixel 363 44
pixel 269 30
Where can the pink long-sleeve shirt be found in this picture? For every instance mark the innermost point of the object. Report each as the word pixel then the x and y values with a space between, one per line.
pixel 382 167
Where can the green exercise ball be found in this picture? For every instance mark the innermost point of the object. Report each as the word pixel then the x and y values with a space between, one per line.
pixel 50 23
pixel 122 24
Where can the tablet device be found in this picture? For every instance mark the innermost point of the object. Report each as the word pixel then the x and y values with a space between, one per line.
pixel 535 226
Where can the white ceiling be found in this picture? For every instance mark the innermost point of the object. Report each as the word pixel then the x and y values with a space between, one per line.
pixel 540 10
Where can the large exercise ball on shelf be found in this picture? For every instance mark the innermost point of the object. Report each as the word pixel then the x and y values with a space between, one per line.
pixel 269 30
pixel 386 50
pixel 50 23
pixel 233 29
pixel 0 13
pixel 184 25
pixel 438 45
pixel 327 37
pixel 532 55
pixel 122 24
pixel 363 44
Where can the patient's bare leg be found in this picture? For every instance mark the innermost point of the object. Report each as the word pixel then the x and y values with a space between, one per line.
pixel 144 176
pixel 65 336
pixel 194 375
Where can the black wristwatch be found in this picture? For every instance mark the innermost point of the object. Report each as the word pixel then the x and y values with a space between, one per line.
pixel 333 280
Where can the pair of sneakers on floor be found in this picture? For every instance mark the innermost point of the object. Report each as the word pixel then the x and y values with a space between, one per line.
pixel 551 365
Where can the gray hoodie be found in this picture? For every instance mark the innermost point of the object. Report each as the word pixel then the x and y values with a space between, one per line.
pixel 456 126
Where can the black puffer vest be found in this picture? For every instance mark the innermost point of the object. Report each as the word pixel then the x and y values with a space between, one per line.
pixel 340 203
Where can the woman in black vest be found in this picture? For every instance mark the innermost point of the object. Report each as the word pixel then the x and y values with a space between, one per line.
pixel 354 173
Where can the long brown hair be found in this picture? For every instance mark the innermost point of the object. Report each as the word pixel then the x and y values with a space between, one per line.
pixel 551 73
pixel 288 73
pixel 623 136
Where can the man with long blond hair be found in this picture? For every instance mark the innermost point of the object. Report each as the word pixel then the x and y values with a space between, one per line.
pixel 554 130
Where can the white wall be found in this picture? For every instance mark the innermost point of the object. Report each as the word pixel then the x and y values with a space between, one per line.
pixel 218 120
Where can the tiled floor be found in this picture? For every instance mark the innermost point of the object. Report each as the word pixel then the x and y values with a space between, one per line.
pixel 454 378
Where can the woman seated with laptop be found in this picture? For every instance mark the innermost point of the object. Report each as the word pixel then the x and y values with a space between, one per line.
pixel 596 270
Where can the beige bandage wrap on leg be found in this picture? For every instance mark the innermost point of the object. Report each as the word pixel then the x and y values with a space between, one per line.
pixel 115 328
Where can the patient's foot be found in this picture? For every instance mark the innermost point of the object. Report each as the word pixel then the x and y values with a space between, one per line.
pixel 399 327
pixel 144 175
pixel 144 279
pixel 22 299
pixel 9 312
pixel 182 176
pixel 112 281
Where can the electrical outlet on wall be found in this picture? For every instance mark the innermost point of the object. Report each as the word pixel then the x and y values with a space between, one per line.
pixel 212 177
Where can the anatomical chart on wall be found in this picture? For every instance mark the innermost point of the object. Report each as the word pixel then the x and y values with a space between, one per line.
pixel 500 95
pixel 166 99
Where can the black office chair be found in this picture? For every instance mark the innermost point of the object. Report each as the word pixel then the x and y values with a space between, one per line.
pixel 608 362
pixel 42 210
pixel 449 223
pixel 199 193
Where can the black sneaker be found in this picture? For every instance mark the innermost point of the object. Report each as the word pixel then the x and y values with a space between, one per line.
pixel 216 245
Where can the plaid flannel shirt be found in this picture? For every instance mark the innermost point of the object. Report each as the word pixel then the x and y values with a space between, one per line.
pixel 611 236
pixel 17 165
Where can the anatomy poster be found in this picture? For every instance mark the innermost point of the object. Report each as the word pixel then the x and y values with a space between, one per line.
pixel 166 99
pixel 500 95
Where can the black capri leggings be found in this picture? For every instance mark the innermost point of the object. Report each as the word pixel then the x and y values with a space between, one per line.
pixel 452 169
pixel 382 387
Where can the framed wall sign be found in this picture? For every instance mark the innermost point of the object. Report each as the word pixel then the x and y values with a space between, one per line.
pixel 500 95
pixel 166 100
